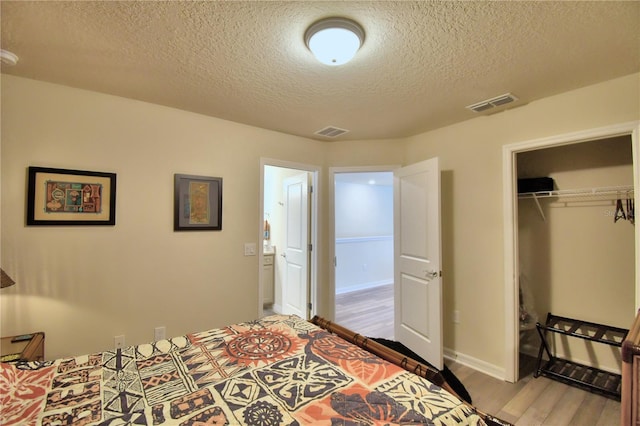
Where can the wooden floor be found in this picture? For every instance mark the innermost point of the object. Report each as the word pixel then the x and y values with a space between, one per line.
pixel 368 312
pixel 530 401
pixel 537 401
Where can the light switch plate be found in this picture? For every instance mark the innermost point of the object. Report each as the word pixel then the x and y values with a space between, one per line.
pixel 249 249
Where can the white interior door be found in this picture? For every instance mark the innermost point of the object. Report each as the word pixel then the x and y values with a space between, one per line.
pixel 295 287
pixel 417 247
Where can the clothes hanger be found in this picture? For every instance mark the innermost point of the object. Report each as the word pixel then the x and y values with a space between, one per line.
pixel 631 214
pixel 619 211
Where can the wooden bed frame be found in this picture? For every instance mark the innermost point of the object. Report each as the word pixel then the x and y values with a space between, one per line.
pixel 409 364
pixel 630 398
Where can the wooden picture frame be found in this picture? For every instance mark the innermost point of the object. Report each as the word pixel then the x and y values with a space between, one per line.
pixel 197 203
pixel 62 197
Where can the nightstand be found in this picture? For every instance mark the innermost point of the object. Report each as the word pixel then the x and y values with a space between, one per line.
pixel 28 347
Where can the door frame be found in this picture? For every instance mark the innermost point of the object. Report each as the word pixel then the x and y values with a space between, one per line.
pixel 314 171
pixel 511 266
pixel 332 222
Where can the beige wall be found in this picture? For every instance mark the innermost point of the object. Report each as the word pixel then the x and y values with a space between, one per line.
pixel 85 285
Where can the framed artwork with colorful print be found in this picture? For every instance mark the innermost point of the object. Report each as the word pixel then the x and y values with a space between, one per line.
pixel 70 197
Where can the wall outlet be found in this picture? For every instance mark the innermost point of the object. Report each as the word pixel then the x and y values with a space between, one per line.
pixel 118 341
pixel 159 333
pixel 249 249
pixel 456 317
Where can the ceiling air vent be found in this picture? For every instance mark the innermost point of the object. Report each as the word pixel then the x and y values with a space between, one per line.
pixel 492 103
pixel 331 132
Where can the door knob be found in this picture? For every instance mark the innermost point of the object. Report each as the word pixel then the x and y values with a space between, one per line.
pixel 431 274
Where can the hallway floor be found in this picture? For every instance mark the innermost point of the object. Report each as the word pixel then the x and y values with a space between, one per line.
pixel 368 312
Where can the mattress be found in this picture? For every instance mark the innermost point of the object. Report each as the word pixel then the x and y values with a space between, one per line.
pixel 272 371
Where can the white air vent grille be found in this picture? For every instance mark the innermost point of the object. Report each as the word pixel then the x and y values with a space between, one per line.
pixel 507 98
pixel 480 107
pixel 331 132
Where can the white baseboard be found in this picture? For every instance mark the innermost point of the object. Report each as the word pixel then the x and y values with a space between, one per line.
pixel 476 364
pixel 363 286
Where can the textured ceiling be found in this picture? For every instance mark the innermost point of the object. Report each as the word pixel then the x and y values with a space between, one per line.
pixel 420 65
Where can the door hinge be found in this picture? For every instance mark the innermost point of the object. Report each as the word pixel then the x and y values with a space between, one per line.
pixel 310 247
pixel 311 189
pixel 310 306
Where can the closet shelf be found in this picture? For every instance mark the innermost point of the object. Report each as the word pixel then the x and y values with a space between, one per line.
pixel 611 192
pixel 583 194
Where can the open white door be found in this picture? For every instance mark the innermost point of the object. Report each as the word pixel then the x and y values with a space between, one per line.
pixel 417 246
pixel 295 283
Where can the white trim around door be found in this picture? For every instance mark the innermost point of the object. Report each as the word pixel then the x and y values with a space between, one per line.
pixel 314 171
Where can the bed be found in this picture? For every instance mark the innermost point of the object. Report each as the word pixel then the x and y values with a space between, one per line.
pixel 276 370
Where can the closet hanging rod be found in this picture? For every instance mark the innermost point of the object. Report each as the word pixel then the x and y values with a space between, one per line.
pixel 616 191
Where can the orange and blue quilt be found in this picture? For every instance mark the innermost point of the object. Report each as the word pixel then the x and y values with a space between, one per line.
pixel 280 370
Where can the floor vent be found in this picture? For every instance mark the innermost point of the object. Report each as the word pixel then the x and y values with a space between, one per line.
pixel 331 132
pixel 507 98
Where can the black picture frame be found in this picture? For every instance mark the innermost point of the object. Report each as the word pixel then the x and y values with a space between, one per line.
pixel 197 203
pixel 65 197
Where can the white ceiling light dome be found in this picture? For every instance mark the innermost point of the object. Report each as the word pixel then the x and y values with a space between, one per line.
pixel 334 41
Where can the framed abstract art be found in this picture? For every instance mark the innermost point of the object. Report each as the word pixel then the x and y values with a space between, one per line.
pixel 197 203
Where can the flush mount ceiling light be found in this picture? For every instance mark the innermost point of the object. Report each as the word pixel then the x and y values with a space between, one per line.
pixel 334 41
pixel 7 57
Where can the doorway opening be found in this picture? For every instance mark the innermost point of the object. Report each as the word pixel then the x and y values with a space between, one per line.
pixel 362 250
pixel 288 232
pixel 555 247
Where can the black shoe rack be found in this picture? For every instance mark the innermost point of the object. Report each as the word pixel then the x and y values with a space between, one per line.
pixel 573 373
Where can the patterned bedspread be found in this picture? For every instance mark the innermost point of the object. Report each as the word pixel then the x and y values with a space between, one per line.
pixel 280 370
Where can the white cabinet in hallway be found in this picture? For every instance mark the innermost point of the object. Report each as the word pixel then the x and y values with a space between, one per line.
pixel 268 278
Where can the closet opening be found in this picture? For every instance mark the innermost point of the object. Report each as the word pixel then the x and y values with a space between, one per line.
pixel 568 251
pixel 576 244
